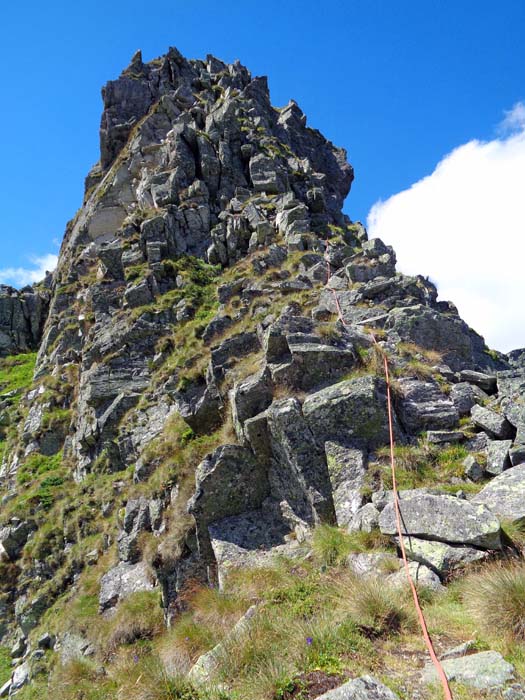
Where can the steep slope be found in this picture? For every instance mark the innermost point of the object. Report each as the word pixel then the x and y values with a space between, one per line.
pixel 206 390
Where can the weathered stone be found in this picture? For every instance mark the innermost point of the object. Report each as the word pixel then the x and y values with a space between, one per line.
pixel 123 580
pixel 440 556
pixel 364 688
pixel 491 422
pixel 443 518
pixel 486 382
pixel 484 670
pixel 419 573
pixel 464 396
pixel 498 456
pixel 354 409
pixel 365 519
pixel 250 397
pixel 472 468
pixel 505 495
pixel 444 437
pixel 20 677
pixel 511 392
pixel 299 474
pixel 347 470
pixel 517 455
pixel 422 406
pixel 228 482
pixel 14 536
pixel 376 564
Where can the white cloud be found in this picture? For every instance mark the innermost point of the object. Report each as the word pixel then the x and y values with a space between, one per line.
pixel 464 226
pixel 20 276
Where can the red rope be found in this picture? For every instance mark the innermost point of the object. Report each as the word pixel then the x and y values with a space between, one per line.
pixel 422 622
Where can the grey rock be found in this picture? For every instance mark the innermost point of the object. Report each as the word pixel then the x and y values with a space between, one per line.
pixel 365 519
pixel 347 470
pixel 353 409
pixel 498 456
pixel 443 518
pixel 460 650
pixel 515 692
pixel 376 564
pixel 420 574
pixel 72 646
pixel 364 688
pixel 464 396
pixel 440 556
pixel 511 392
pixel 20 677
pixel 444 437
pixel 486 669
pixel 4 690
pixel 14 536
pixel 491 422
pixel 505 495
pixel 46 641
pixel 228 482
pixel 422 406
pixel 517 455
pixel 486 382
pixel 123 580
pixel 250 397
pixel 473 470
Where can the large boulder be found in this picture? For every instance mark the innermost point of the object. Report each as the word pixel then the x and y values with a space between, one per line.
pixel 423 406
pixel 123 580
pixel 354 409
pixel 443 518
pixel 494 424
pixel 441 556
pixel 505 495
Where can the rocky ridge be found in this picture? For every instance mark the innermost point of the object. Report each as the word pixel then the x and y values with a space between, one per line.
pixel 198 406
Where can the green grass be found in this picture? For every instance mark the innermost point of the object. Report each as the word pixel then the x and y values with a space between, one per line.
pixel 331 545
pixel 16 372
pixel 5 665
pixel 37 464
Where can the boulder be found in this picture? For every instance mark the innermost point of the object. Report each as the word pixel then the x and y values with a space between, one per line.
pixel 484 670
pixel 443 518
pixel 473 470
pixel 505 495
pixel 14 536
pixel 123 580
pixel 365 519
pixel 347 470
pixel 486 382
pixel 491 422
pixel 420 574
pixel 364 688
pixel 511 392
pixel 353 409
pixel 422 406
pixel 498 456
pixel 440 556
pixel 464 396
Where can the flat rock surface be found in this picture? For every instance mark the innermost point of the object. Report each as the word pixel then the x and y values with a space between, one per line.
pixel 487 669
pixel 505 494
pixel 443 518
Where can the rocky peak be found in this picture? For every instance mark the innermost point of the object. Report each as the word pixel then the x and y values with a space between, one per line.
pixel 207 390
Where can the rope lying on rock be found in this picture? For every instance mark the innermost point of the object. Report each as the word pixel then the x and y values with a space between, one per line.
pixel 397 508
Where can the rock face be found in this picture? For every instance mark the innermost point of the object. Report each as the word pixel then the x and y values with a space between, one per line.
pixel 209 382
pixel 365 688
pixel 22 317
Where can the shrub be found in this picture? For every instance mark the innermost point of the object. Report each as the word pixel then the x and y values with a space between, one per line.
pixel 377 609
pixel 496 598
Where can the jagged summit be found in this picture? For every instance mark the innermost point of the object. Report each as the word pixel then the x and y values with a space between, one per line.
pixel 206 392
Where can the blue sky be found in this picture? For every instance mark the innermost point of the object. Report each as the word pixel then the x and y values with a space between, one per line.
pixel 398 84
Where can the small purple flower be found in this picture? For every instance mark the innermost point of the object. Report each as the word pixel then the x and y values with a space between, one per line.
pixel 186 639
pixel 309 641
pixel 135 659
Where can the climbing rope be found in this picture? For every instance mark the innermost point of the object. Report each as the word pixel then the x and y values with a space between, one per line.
pixel 397 508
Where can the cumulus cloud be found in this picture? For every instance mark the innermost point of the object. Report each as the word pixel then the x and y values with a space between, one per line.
pixel 20 276
pixel 464 227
